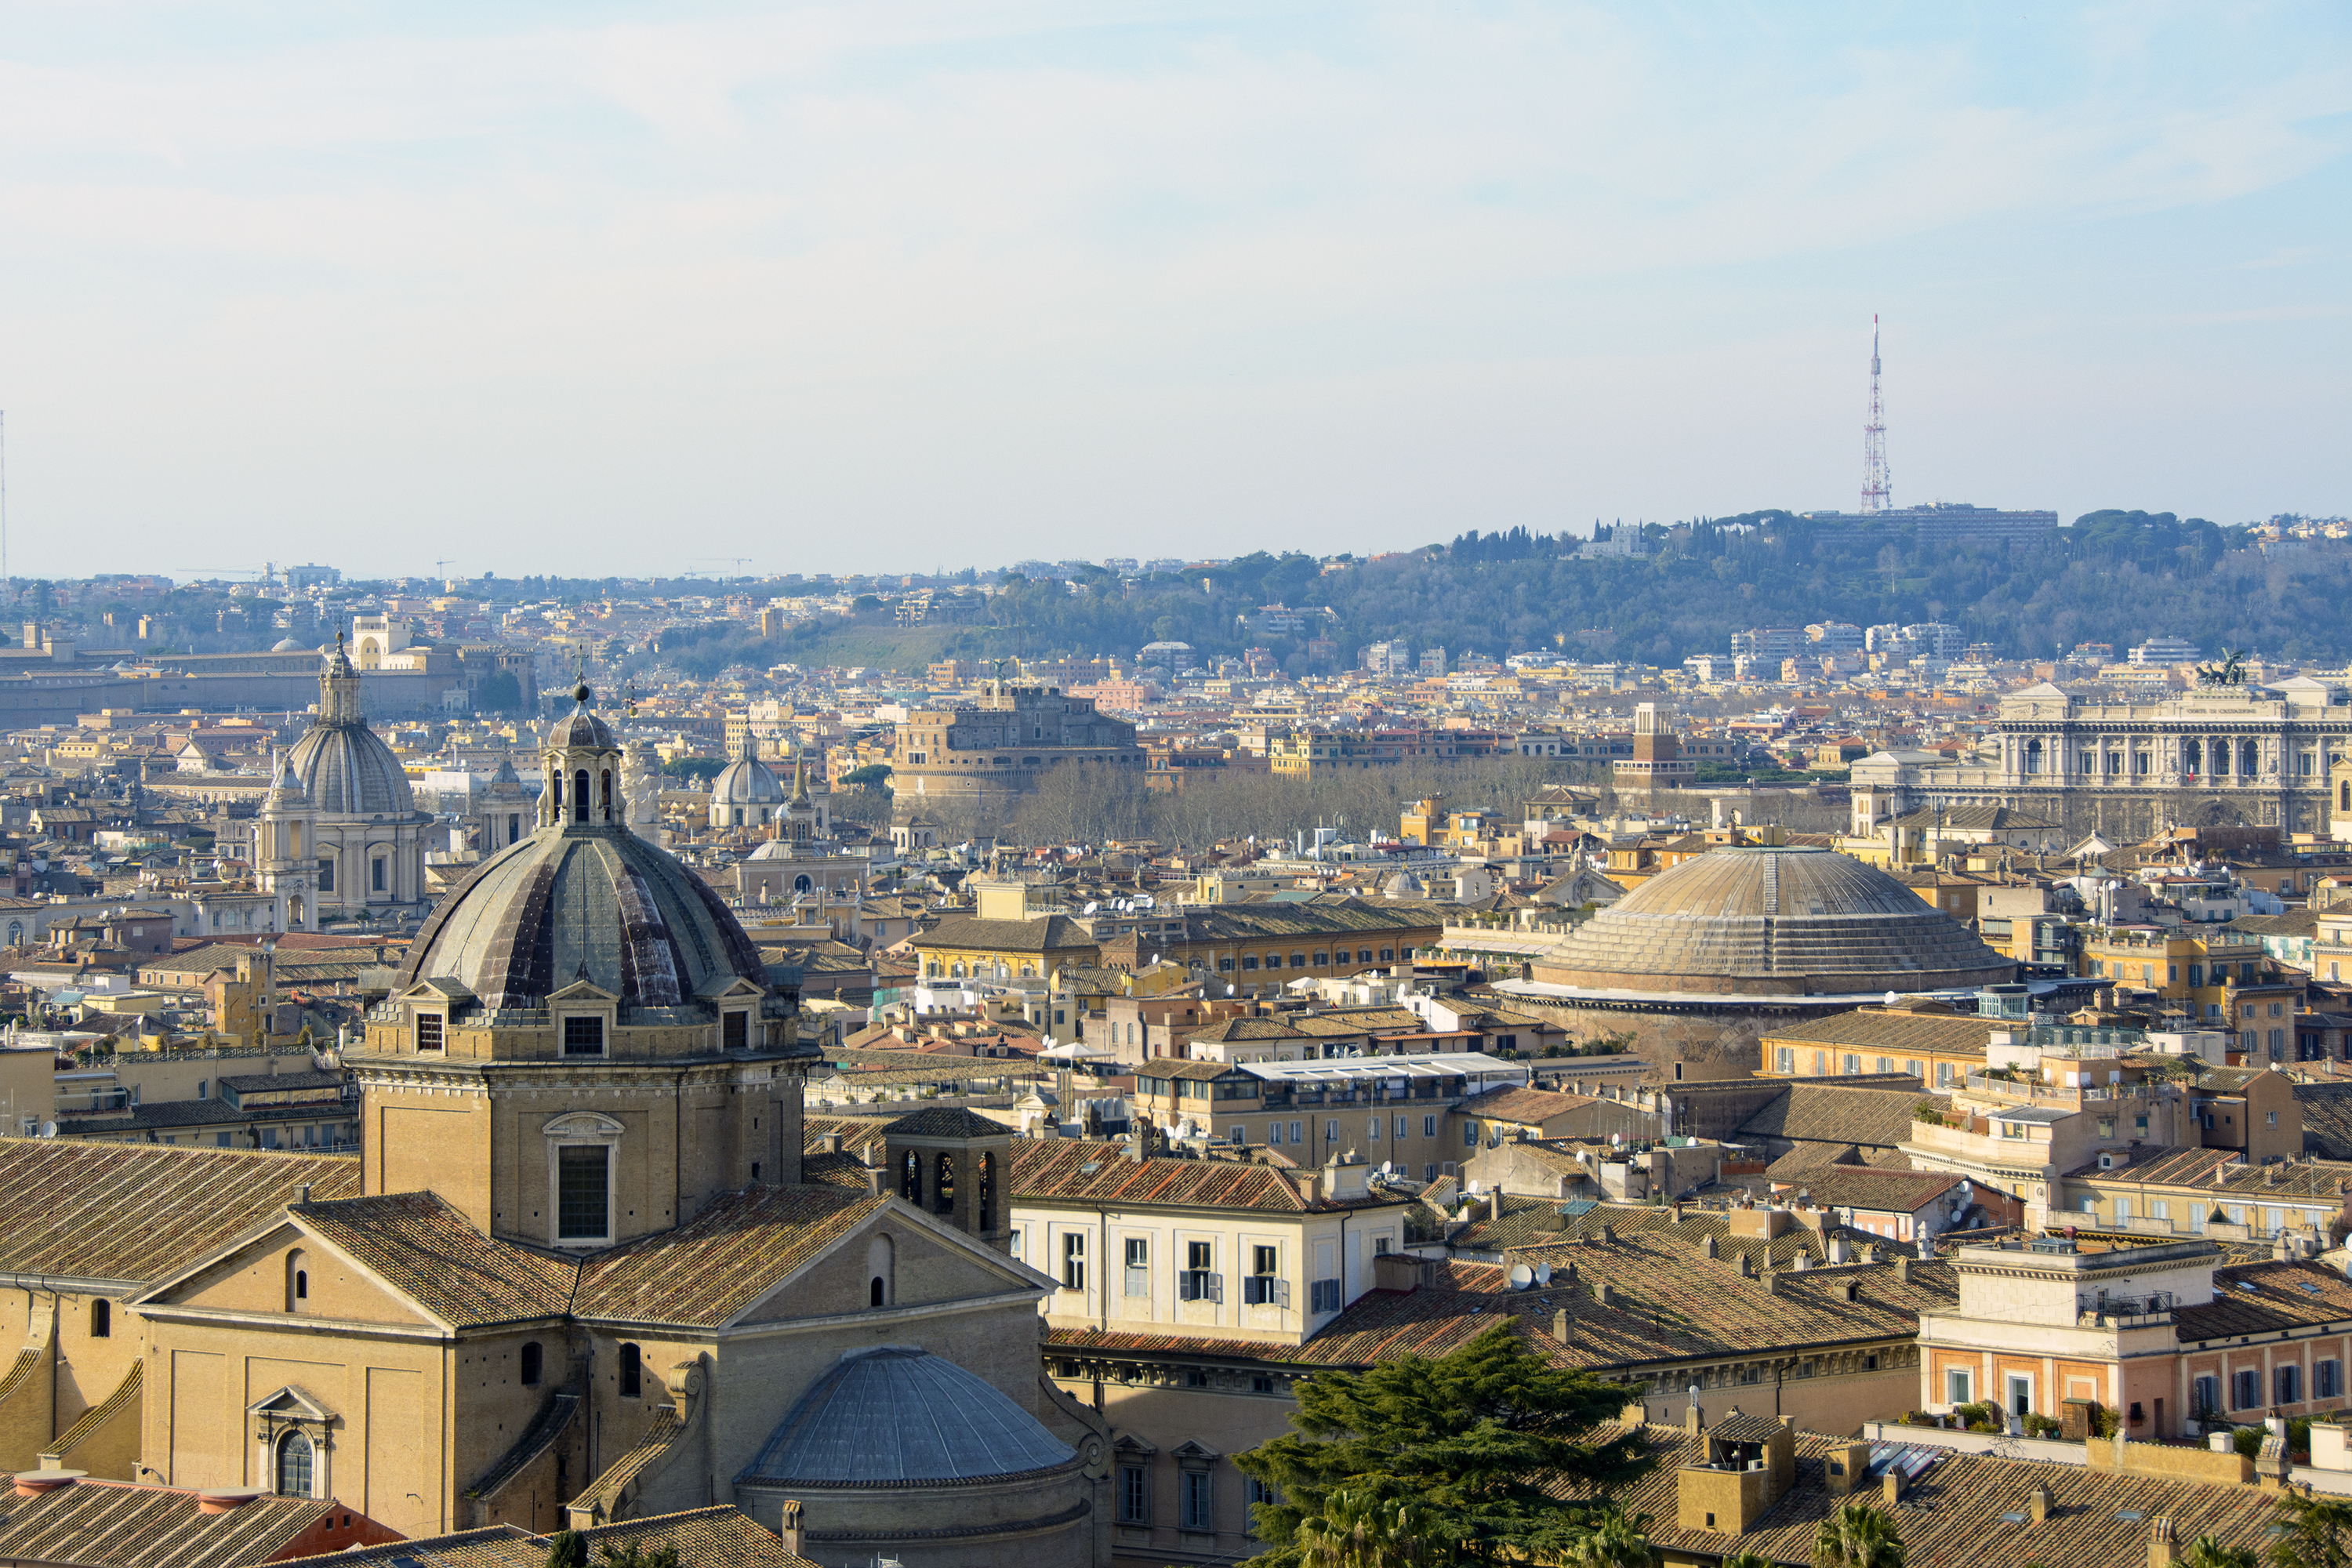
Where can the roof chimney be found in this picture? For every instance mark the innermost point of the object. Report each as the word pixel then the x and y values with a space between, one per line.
pixel 226 1499
pixel 2037 1503
pixel 2163 1548
pixel 1902 1272
pixel 302 1196
pixel 1890 1488
pixel 33 1483
pixel 1560 1324
pixel 1706 1245
pixel 1605 1294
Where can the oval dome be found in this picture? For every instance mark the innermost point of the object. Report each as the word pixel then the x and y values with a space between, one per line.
pixel 897 1413
pixel 346 768
pixel 747 781
pixel 535 916
pixel 1780 920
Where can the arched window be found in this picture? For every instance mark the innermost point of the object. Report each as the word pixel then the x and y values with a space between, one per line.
pixel 2249 758
pixel 298 1280
pixel 294 1464
pixel 943 1187
pixel 580 795
pixel 2192 758
pixel 881 1275
pixel 910 1178
pixel 987 1189
pixel 532 1358
pixel 632 1372
pixel 604 794
pixel 801 883
pixel 738 816
pixel 101 1318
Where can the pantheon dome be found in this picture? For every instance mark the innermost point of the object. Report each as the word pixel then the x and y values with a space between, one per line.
pixel 1773 922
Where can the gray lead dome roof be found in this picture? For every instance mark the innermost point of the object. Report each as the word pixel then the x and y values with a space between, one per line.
pixel 536 914
pixel 895 1413
pixel 346 768
pixel 1784 921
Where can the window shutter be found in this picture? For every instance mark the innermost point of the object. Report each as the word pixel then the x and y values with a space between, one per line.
pixel 1216 1283
pixel 1282 1291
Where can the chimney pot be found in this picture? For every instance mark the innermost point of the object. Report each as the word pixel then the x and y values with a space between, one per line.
pixel 33 1483
pixel 1902 1272
pixel 2037 1503
pixel 226 1499
pixel 1890 1488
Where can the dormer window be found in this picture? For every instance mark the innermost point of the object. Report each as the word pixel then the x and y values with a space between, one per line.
pixel 735 1030
pixel 583 1036
pixel 429 1035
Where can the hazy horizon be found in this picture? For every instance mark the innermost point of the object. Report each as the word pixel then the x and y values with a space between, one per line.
pixel 603 291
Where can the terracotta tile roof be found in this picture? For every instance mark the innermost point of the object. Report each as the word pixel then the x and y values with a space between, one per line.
pixel 2327 1118
pixel 1100 1173
pixel 1515 1103
pixel 947 1121
pixel 2322 1179
pixel 1876 1029
pixel 1839 1113
pixel 1951 1513
pixel 720 1537
pixel 966 933
pixel 1883 1192
pixel 2265 1299
pixel 859 1133
pixel 126 1526
pixel 136 1211
pixel 826 1169
pixel 420 1246
pixel 720 1261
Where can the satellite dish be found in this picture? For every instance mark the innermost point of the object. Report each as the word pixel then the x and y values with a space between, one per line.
pixel 49 1129
pixel 1388 1167
pixel 1090 908
pixel 1543 1273
pixel 1521 1275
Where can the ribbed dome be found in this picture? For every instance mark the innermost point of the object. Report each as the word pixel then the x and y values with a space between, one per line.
pixel 747 781
pixel 895 1413
pixel 1781 922
pixel 566 899
pixel 580 727
pixel 346 768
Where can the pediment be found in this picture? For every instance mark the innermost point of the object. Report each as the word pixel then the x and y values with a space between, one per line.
pixel 583 990
pixel 728 986
pixel 436 988
pixel 986 1269
pixel 582 1124
pixel 246 1281
pixel 1191 1451
pixel 290 1404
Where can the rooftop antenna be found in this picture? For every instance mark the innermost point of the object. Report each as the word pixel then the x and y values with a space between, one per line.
pixel 1878 491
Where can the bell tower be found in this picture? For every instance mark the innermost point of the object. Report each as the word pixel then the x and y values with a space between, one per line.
pixel 956 1164
pixel 583 764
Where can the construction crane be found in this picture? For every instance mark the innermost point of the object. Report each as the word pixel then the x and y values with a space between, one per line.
pixel 738 562
pixel 440 563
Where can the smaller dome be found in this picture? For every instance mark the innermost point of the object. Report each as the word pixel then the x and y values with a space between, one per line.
pixel 286 644
pixel 580 727
pixel 747 781
pixel 896 1413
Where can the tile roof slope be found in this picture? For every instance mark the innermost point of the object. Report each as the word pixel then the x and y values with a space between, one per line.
pixel 2199 1167
pixel 2266 1299
pixel 1950 1515
pixel 1896 1192
pixel 716 1537
pixel 1100 1171
pixel 1877 1026
pixel 2327 1118
pixel 826 1169
pixel 947 1121
pixel 721 1260
pixel 1837 1113
pixel 1670 1302
pixel 1515 1102
pixel 859 1133
pixel 135 1212
pixel 422 1246
pixel 1052 934
pixel 125 1526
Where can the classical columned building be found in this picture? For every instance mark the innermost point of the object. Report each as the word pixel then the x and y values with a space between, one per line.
pixel 2218 756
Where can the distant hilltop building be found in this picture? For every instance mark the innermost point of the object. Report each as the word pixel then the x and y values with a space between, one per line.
pixel 1956 522
pixel 2166 650
pixel 982 757
pixel 1657 762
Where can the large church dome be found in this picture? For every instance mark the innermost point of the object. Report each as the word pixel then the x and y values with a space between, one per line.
pixel 1784 921
pixel 345 767
pixel 747 781
pixel 534 917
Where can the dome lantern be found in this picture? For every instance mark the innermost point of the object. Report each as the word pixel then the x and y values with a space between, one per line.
pixel 583 763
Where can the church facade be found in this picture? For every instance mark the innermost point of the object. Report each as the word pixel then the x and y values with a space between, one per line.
pixel 583 1271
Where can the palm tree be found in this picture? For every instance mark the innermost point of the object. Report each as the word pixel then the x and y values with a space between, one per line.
pixel 1743 1558
pixel 1355 1530
pixel 2205 1552
pixel 1858 1536
pixel 1615 1542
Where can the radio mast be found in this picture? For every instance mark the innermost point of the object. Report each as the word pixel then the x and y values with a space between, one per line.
pixel 1877 491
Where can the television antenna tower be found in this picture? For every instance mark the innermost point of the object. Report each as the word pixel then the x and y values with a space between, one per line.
pixel 1877 491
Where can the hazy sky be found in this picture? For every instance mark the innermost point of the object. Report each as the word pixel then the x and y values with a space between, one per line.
pixel 595 288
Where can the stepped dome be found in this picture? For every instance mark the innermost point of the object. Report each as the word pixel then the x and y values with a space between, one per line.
pixel 1773 921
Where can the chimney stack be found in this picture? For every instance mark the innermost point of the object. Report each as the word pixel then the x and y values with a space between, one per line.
pixel 1902 1272
pixel 1890 1488
pixel 1560 1324
pixel 790 1528
pixel 2163 1547
pixel 2037 1504
pixel 1706 1245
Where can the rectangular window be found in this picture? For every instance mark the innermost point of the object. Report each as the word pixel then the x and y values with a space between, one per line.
pixel 1374 1130
pixel 428 1032
pixel 1139 1266
pixel 1324 1296
pixel 2021 1393
pixel 1200 1281
pixel 1297 1132
pixel 2207 1398
pixel 1198 1514
pixel 1398 1130
pixel 1470 1135
pixel 1013 1245
pixel 2327 1379
pixel 1074 1260
pixel 735 1031
pixel 1134 1495
pixel 1853 1063
pixel 375 874
pixel 583 1037
pixel 1332 1132
pixel 2289 1379
pixel 1784 1059
pixel 1238 1136
pixel 327 876
pixel 1429 1127
pixel 2246 1388
pixel 1274 1135
pixel 583 1211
